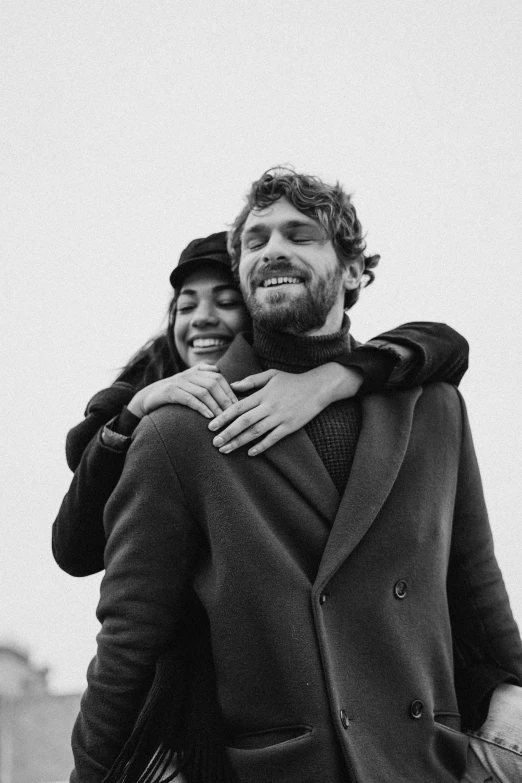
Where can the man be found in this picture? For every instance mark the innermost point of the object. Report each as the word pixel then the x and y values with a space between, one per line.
pixel 337 570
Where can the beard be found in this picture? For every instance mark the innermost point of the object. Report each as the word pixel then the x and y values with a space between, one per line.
pixel 304 312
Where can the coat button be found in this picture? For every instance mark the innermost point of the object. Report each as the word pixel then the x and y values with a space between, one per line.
pixel 322 598
pixel 400 589
pixel 345 722
pixel 416 709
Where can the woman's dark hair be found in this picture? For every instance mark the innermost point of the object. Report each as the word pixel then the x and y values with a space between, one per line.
pixel 329 205
pixel 157 359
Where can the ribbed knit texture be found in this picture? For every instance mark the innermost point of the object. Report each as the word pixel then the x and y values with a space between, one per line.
pixel 335 431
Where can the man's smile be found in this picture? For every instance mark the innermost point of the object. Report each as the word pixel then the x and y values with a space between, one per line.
pixel 276 281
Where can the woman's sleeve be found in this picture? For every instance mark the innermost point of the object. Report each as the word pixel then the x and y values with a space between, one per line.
pixel 152 544
pixel 434 352
pixel 78 538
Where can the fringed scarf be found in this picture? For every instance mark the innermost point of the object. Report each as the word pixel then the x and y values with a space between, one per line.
pixel 163 745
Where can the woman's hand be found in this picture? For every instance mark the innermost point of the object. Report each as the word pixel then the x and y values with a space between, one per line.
pixel 282 404
pixel 201 387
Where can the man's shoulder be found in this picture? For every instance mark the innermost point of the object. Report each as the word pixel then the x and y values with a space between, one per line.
pixel 176 421
pixel 174 432
pixel 442 405
pixel 441 391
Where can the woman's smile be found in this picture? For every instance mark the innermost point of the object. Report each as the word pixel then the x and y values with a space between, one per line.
pixel 209 313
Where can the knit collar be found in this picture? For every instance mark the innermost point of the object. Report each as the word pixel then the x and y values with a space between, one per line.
pixel 298 353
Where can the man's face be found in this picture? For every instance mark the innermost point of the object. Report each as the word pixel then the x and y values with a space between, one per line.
pixel 289 273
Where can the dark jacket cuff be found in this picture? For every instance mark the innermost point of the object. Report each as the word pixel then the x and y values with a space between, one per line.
pixel 103 406
pixel 374 363
pixel 442 359
pixel 125 423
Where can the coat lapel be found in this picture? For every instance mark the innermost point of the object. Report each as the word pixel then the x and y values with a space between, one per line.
pixel 294 457
pixel 384 437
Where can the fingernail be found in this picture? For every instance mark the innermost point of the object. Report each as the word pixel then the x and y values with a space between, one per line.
pixel 208 414
pixel 225 449
pixel 252 452
pixel 214 425
pixel 218 441
pixel 234 400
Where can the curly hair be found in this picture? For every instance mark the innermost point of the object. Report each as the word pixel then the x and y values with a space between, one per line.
pixel 329 205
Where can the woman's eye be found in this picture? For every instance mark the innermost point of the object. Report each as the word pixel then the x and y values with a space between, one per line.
pixel 185 308
pixel 301 238
pixel 229 303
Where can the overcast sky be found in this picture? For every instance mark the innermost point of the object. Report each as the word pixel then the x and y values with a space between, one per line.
pixel 131 127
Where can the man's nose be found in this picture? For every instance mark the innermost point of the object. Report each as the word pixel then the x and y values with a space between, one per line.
pixel 204 315
pixel 276 249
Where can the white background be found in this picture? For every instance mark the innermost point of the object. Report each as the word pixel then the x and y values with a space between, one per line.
pixel 131 127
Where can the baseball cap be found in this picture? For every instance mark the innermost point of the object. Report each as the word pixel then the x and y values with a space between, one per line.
pixel 211 249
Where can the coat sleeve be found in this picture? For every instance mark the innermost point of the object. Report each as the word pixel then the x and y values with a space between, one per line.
pixel 488 648
pixel 78 538
pixel 152 544
pixel 439 354
pixel 106 404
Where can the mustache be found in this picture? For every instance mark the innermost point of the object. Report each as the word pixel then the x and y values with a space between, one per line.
pixel 277 269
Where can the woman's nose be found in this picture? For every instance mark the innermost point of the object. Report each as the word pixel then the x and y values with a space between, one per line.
pixel 204 315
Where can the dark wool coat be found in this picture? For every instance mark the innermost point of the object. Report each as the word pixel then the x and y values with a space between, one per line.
pixel 331 618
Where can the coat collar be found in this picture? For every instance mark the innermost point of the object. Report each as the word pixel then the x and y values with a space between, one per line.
pixel 386 427
pixel 384 438
pixel 295 456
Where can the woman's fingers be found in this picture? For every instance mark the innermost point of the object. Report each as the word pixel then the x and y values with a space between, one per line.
pixel 245 429
pixel 185 394
pixel 203 383
pixel 217 387
pixel 233 412
pixel 208 375
pixel 212 396
pixel 272 438
pixel 253 381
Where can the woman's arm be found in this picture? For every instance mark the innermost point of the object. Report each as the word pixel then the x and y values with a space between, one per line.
pixel 96 450
pixel 78 539
pixel 413 354
pixel 428 353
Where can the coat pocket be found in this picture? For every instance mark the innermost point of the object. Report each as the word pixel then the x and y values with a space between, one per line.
pixel 269 737
pixel 450 744
pixel 274 755
pixel 446 718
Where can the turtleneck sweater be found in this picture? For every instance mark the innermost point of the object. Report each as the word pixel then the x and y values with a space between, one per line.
pixel 335 431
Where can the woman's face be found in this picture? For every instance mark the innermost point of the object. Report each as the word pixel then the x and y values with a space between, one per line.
pixel 209 313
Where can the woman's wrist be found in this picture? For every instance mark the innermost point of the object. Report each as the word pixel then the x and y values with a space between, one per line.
pixel 340 382
pixel 135 406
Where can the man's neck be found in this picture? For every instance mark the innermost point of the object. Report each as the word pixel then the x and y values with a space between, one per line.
pixel 298 353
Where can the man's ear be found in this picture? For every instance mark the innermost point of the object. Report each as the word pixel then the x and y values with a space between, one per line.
pixel 353 273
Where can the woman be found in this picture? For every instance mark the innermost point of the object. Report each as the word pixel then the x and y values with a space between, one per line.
pixel 179 366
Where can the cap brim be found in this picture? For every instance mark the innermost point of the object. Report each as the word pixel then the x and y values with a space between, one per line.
pixel 180 272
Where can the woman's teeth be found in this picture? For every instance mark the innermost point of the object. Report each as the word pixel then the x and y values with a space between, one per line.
pixel 208 342
pixel 280 281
